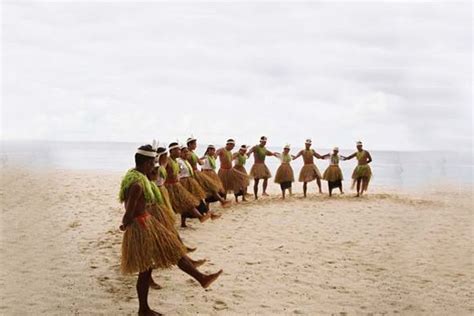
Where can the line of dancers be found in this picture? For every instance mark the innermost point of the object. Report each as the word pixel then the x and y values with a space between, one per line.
pixel 166 182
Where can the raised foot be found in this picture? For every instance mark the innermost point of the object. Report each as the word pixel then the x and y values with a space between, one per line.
pixel 205 217
pixel 209 279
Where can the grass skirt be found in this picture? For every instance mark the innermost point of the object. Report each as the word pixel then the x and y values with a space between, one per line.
pixel 260 171
pixel 207 183
pixel 309 173
pixel 193 187
pixel 244 171
pixel 166 197
pixel 233 180
pixel 215 178
pixel 181 200
pixel 362 172
pixel 164 215
pixel 147 244
pixel 333 173
pixel 284 174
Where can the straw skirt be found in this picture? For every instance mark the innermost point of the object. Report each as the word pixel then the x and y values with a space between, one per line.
pixel 309 173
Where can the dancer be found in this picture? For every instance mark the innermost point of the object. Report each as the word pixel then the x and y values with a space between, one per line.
pixel 259 169
pixel 186 177
pixel 240 158
pixel 284 175
pixel 362 172
pixel 209 167
pixel 146 243
pixel 182 200
pixel 309 172
pixel 232 179
pixel 333 173
pixel 212 189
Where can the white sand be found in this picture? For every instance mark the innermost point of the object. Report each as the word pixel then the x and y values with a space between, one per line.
pixel 386 253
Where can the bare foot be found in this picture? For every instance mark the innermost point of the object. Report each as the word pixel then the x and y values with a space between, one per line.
pixel 209 279
pixel 148 312
pixel 198 263
pixel 215 216
pixel 265 194
pixel 205 217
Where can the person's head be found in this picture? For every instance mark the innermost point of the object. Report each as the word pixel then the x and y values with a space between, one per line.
pixel 184 152
pixel 230 144
pixel 162 156
pixel 174 150
pixel 359 145
pixel 211 150
pixel 335 150
pixel 191 143
pixel 263 141
pixel 286 149
pixel 243 149
pixel 145 158
pixel 308 143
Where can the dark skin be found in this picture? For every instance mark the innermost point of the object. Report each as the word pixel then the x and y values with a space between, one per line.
pixel 224 163
pixel 335 152
pixel 365 161
pixel 174 154
pixel 244 193
pixel 191 147
pixel 286 151
pixel 153 176
pixel 185 156
pixel 258 160
pixel 135 206
pixel 309 160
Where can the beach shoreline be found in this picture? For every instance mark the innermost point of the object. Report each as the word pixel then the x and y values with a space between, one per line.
pixel 391 251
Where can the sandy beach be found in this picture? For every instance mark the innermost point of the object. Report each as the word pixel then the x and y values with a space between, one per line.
pixel 390 252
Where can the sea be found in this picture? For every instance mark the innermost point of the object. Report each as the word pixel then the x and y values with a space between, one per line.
pixel 403 169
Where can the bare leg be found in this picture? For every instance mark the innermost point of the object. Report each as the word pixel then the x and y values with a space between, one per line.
pixel 318 181
pixel 255 188
pixel 265 184
pixel 291 191
pixel 143 285
pixel 205 280
pixel 305 188
pixel 358 187
pixel 197 263
pixel 329 189
pixel 283 194
pixel 340 189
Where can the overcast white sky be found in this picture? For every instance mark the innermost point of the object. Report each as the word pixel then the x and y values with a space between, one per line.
pixel 397 75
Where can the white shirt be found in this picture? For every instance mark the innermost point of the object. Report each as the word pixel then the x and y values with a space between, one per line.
pixel 183 169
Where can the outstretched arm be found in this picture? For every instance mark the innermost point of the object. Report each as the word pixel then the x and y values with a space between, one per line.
pixel 269 153
pixel 251 151
pixel 325 156
pixel 349 157
pixel 315 154
pixel 298 155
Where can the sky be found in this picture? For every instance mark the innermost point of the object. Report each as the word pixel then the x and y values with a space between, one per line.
pixel 396 75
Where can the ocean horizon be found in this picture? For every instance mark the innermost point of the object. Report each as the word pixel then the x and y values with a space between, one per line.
pixel 390 168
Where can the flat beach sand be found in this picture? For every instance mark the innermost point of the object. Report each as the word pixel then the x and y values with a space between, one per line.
pixel 391 252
